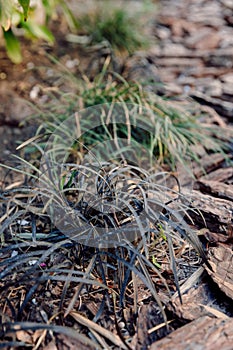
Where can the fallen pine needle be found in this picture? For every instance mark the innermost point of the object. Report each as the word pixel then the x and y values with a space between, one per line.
pixel 115 339
pixel 151 330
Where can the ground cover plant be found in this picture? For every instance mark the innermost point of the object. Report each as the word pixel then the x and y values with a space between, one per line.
pixel 73 286
pixel 114 26
pixel 176 127
pixel 66 266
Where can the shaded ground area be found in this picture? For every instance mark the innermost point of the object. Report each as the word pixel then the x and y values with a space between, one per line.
pixel 192 55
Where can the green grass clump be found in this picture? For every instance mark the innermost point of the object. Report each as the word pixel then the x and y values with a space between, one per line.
pixel 176 129
pixel 116 27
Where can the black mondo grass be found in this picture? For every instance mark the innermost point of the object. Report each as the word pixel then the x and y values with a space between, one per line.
pixel 138 213
pixel 126 215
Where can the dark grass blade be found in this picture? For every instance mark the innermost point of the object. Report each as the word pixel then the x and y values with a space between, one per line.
pixel 33 326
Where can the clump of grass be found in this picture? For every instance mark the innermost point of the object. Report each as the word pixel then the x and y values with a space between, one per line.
pixel 29 231
pixel 116 27
pixel 177 130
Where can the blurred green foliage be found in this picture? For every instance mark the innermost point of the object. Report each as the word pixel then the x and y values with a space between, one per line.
pixel 108 22
pixel 29 18
pixel 19 14
pixel 115 26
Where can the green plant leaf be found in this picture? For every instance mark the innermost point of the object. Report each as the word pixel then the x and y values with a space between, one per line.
pixel 70 18
pixel 6 9
pixel 38 31
pixel 25 5
pixel 12 46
